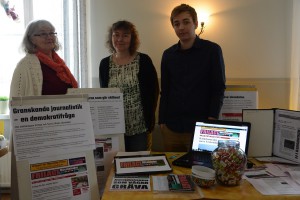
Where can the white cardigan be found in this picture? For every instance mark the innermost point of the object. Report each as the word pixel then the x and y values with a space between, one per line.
pixel 27 78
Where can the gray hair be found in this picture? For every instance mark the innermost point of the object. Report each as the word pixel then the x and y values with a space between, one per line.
pixel 33 28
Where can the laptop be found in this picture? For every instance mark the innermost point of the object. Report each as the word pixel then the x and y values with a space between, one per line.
pixel 205 141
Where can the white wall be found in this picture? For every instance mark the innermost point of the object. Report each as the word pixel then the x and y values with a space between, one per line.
pixel 255 36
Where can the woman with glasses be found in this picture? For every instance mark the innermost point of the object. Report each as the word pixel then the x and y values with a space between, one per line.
pixel 41 71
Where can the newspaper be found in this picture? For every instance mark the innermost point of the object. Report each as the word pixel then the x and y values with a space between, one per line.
pixel 275 179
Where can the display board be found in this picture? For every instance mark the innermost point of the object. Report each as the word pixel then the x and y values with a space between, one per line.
pixel 53 148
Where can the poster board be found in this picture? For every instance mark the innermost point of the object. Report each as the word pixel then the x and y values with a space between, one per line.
pixel 107 144
pixel 33 180
pixel 237 98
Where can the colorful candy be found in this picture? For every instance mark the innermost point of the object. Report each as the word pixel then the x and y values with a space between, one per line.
pixel 229 162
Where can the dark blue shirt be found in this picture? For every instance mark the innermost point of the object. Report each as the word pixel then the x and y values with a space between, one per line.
pixel 192 85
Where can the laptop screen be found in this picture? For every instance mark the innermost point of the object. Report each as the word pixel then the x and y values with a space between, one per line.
pixel 207 134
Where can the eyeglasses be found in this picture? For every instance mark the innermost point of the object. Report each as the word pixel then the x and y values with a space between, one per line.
pixel 45 35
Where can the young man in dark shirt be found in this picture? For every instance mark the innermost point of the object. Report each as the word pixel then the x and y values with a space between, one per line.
pixel 192 81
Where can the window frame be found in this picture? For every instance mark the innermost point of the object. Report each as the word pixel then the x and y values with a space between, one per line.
pixel 72 38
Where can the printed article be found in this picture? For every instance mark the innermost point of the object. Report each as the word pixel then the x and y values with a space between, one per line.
pixel 107 109
pixel 51 129
pixel 60 179
pixel 107 112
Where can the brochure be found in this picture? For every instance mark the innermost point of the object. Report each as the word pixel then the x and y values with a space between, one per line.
pixel 180 183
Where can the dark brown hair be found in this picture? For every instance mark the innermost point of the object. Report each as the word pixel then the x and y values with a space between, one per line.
pixel 184 8
pixel 127 26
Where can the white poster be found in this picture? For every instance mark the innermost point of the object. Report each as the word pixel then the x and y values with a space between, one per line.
pixel 107 112
pixel 51 129
pixel 235 100
pixel 107 109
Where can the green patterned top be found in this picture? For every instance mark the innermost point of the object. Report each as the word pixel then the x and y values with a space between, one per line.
pixel 125 77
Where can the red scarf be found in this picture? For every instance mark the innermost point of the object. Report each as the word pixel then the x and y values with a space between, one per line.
pixel 58 65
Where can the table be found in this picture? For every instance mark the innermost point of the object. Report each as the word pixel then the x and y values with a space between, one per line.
pixel 244 191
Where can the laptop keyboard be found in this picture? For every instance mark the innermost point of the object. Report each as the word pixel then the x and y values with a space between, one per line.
pixel 198 159
pixel 202 157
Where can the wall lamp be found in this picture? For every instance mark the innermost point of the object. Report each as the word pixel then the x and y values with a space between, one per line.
pixel 201 28
pixel 203 17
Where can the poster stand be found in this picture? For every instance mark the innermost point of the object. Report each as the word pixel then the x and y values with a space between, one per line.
pixel 23 185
